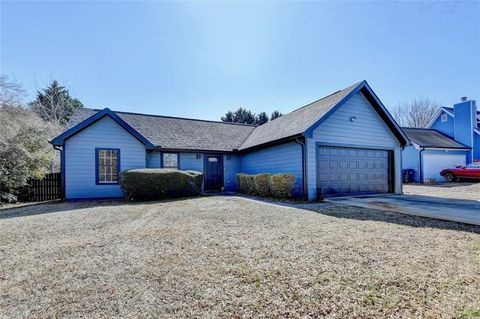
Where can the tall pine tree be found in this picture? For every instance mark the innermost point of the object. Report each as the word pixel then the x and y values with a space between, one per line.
pixel 261 118
pixel 54 104
pixel 275 115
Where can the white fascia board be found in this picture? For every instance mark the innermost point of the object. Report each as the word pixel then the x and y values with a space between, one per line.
pixel 446 149
pixel 435 117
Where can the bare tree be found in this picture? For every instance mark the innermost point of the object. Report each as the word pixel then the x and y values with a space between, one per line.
pixel 54 104
pixel 11 92
pixel 416 113
pixel 24 148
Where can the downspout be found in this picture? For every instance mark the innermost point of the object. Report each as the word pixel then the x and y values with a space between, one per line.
pixel 420 168
pixel 62 168
pixel 301 141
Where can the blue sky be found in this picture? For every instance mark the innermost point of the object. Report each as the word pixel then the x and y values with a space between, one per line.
pixel 199 59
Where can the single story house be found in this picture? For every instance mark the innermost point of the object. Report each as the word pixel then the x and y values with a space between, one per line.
pixel 451 139
pixel 345 143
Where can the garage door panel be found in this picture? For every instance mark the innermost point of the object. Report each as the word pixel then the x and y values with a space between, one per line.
pixel 434 163
pixel 352 171
pixel 323 164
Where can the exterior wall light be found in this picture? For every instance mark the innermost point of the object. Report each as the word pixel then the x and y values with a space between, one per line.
pixel 353 119
pixel 228 157
pixel 199 156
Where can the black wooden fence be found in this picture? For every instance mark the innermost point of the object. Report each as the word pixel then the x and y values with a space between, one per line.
pixel 48 188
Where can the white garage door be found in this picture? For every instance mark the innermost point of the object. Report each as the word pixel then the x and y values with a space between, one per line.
pixel 434 163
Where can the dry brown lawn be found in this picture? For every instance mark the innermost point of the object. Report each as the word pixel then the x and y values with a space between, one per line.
pixel 226 257
pixel 457 190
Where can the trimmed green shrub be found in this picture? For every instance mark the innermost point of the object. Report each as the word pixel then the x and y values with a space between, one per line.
pixel 262 184
pixel 149 183
pixel 241 183
pixel 283 185
pixel 268 185
pixel 246 183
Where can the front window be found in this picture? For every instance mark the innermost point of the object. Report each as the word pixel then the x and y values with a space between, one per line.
pixel 108 165
pixel 170 160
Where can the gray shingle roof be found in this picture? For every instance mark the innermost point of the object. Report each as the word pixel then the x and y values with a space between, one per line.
pixel 430 138
pixel 295 122
pixel 191 134
pixel 179 133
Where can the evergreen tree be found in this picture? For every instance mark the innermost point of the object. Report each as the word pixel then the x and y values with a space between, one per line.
pixel 261 118
pixel 244 116
pixel 241 115
pixel 228 117
pixel 275 114
pixel 54 104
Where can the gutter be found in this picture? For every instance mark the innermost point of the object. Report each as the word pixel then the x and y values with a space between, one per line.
pixel 420 167
pixel 272 143
pixel 62 168
pixel 301 142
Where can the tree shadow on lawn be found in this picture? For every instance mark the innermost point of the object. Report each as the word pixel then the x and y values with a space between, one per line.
pixel 377 215
pixel 56 207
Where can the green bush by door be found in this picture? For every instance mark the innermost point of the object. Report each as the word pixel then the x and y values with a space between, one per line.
pixel 268 185
pixel 150 183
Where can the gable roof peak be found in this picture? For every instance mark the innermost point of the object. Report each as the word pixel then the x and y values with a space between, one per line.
pixel 306 118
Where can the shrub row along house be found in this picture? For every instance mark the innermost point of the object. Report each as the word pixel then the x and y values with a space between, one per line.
pixel 451 139
pixel 344 143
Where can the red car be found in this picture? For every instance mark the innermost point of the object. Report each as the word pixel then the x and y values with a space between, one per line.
pixel 468 171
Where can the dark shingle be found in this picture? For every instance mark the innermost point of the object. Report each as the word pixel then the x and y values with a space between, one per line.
pixel 295 122
pixel 430 138
pixel 191 134
pixel 180 133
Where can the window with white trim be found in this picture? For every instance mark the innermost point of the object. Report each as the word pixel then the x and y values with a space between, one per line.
pixel 108 165
pixel 170 160
pixel 444 117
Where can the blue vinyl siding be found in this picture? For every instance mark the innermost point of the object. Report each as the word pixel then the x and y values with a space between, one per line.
pixel 283 158
pixel 231 167
pixel 446 127
pixel 476 147
pixel 80 158
pixel 153 159
pixel 464 123
pixel 368 131
pixel 190 162
pixel 411 160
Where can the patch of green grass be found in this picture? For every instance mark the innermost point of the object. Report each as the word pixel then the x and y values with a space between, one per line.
pixel 470 313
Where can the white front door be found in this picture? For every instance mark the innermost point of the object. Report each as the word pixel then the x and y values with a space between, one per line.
pixel 433 164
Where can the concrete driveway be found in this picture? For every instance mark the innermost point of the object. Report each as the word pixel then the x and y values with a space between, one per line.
pixel 458 210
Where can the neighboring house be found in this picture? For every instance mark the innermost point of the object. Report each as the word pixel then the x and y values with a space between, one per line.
pixel 345 143
pixel 451 139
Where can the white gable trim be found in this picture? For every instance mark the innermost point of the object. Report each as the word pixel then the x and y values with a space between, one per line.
pixel 437 115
